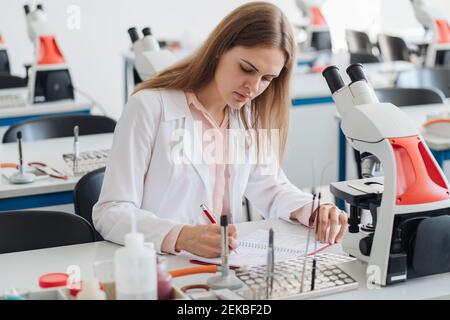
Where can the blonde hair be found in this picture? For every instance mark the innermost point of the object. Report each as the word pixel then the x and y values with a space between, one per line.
pixel 256 24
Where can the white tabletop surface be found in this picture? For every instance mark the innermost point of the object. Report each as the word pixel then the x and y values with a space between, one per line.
pixel 437 143
pixel 49 151
pixel 421 114
pixel 21 270
pixel 442 141
pixel 46 108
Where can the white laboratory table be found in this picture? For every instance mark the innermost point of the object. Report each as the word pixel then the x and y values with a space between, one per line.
pixel 12 115
pixel 50 191
pixel 21 270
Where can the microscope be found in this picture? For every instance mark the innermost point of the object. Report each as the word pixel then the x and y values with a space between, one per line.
pixel 149 58
pixel 317 30
pixel 49 77
pixel 437 27
pixel 410 205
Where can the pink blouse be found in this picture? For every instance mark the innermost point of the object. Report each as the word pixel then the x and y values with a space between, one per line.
pixel 219 172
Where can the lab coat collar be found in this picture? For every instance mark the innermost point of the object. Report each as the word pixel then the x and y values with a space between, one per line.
pixel 175 105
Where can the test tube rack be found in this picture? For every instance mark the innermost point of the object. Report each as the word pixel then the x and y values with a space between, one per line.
pixel 288 274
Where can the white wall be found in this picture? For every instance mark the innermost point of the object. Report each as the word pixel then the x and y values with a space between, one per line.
pixel 398 16
pixel 350 14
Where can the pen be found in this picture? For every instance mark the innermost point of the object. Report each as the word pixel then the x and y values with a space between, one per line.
pixel 306 250
pixel 317 221
pixel 76 150
pixel 313 275
pixel 210 217
pixel 208 214
pixel 270 265
pixel 19 140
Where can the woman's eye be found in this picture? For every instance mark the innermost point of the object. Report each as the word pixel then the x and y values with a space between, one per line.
pixel 268 79
pixel 247 70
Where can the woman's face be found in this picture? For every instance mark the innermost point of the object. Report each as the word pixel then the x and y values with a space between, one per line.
pixel 244 73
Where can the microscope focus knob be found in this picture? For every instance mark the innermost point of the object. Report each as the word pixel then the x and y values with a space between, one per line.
pixel 365 245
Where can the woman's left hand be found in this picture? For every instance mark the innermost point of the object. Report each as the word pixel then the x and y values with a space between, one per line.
pixel 333 218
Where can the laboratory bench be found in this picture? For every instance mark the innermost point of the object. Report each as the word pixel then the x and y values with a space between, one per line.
pixel 49 191
pixel 21 270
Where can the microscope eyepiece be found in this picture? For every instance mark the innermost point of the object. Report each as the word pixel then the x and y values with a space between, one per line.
pixel 133 34
pixel 147 31
pixel 27 9
pixel 356 73
pixel 333 78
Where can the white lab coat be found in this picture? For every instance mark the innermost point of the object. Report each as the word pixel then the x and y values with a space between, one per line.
pixel 141 178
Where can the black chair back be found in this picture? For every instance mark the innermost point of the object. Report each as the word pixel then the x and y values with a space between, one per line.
pixel 358 42
pixel 29 230
pixel 86 194
pixel 8 81
pixel 438 78
pixel 362 57
pixel 58 127
pixel 393 48
pixel 402 97
pixel 4 62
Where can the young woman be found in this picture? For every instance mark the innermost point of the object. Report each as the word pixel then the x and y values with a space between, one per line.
pixel 238 80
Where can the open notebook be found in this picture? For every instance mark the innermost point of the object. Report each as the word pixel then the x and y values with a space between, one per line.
pixel 252 249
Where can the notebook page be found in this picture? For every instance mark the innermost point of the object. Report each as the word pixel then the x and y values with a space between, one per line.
pixel 283 242
pixel 253 249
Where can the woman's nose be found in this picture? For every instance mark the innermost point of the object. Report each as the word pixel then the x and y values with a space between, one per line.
pixel 253 86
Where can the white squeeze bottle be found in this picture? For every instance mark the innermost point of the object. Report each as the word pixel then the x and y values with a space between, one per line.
pixel 91 291
pixel 135 268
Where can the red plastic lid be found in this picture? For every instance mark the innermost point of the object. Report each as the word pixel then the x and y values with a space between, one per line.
pixel 51 280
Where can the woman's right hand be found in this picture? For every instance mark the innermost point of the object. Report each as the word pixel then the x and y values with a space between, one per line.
pixel 204 240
